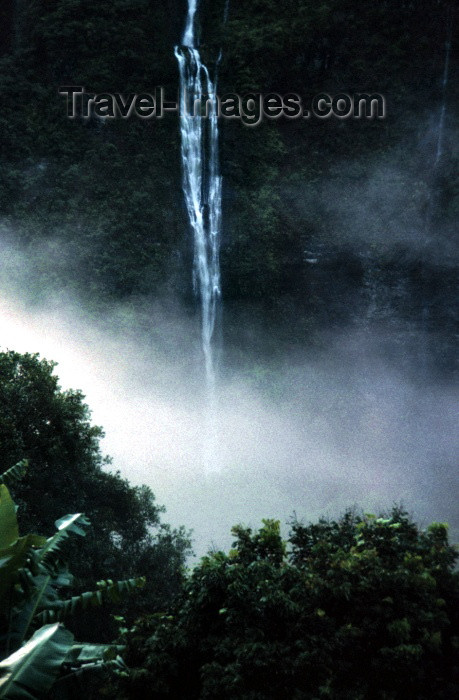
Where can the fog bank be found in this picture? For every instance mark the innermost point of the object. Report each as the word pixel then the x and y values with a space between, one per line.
pixel 321 435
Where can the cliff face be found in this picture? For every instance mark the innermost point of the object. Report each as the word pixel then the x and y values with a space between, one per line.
pixel 329 221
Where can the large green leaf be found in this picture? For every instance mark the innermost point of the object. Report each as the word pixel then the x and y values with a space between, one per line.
pixel 14 474
pixel 112 591
pixel 30 672
pixel 24 615
pixel 69 524
pixel 12 560
pixel 86 653
pixel 9 531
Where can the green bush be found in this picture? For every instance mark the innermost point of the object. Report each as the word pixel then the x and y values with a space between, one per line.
pixel 363 607
pixel 32 578
pixel 52 428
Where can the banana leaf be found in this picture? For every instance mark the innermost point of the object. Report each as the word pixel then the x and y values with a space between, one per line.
pixel 29 673
pixel 14 474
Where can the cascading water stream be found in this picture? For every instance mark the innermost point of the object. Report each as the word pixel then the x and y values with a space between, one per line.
pixel 202 187
pixel 444 85
pixel 440 131
pixel 432 201
pixel 188 35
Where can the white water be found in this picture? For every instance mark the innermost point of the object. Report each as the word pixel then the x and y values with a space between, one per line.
pixel 202 188
pixel 440 130
pixel 444 85
pixel 188 35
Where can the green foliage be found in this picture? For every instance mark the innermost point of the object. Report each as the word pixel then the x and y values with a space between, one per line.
pixel 31 670
pixel 51 660
pixel 264 545
pixel 107 591
pixel 92 186
pixel 52 428
pixel 362 607
pixel 32 576
pixel 14 474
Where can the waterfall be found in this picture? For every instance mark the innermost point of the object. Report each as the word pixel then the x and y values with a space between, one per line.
pixel 202 188
pixel 188 35
pixel 444 85
pixel 433 171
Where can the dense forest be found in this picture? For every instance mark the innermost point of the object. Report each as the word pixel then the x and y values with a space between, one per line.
pixel 328 225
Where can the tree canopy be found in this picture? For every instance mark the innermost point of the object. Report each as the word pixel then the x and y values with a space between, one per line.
pixel 363 607
pixel 52 429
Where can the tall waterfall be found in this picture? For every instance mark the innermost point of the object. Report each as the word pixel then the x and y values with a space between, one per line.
pixel 202 182
pixel 444 85
pixel 202 188
pixel 432 196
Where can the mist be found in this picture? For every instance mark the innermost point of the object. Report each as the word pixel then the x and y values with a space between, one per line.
pixel 385 204
pixel 347 427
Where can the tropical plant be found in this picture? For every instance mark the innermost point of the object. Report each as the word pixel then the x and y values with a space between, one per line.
pixel 358 609
pixel 52 428
pixel 32 577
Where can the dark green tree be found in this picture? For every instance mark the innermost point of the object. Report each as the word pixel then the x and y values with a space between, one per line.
pixel 363 608
pixel 52 429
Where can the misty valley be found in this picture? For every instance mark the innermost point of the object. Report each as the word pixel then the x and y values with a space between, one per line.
pixel 228 350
